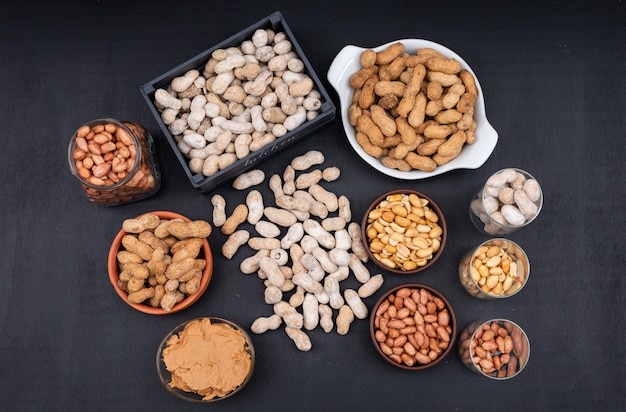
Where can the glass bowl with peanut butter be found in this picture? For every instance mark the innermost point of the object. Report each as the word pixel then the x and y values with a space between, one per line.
pixel 205 359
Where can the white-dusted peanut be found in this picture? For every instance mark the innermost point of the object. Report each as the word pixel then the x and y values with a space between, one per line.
pixel 289 314
pixel 308 243
pixel 258 243
pixel 307 282
pixel 345 211
pixel 301 88
pixel 339 257
pixel 178 126
pixel 273 272
pixel 219 209
pixel 182 83
pixel 281 257
pixel 168 115
pixel 305 161
pixel 280 62
pixel 195 118
pixel 166 100
pixel 315 229
pixel 242 145
pixel 267 229
pixel 273 295
pixel 326 318
pixel 290 78
pixel 276 186
pixel 342 273
pixel 331 286
pixel 237 127
pixel 254 201
pixel 300 338
pixel 490 204
pixel 329 199
pixel 332 224
pixel 310 311
pixel 221 82
pixel 524 204
pixel 497 180
pixel 281 217
pixel 289 176
pixel 297 298
pixel 354 229
pixel 343 239
pixel 356 304
pixel 251 264
pixel 519 181
pixel 231 62
pixel 532 189
pixel 258 123
pixel 234 241
pixel 331 173
pixel 323 257
pixel 505 195
pixel 312 104
pixel 314 207
pixel 194 140
pixel 248 179
pixel 361 273
pixel 306 180
pixel 294 234
pixel 195 164
pixel 226 160
pixel 371 286
pixel 296 119
pixel 512 215
pixel 313 266
pixel 210 166
pixel 344 319
pixel 295 65
pixel 263 324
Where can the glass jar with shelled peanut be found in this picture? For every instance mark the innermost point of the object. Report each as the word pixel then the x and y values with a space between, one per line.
pixel 114 161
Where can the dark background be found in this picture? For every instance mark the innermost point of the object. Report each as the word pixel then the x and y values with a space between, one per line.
pixel 553 78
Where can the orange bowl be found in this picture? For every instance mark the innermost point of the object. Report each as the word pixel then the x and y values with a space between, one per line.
pixel 113 269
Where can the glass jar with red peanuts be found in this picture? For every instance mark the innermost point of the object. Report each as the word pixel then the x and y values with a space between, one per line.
pixel 115 161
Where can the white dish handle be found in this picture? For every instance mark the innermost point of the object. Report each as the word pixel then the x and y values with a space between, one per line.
pixel 339 65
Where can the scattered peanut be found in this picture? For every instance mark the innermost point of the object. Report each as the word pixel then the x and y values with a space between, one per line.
pixel 307 246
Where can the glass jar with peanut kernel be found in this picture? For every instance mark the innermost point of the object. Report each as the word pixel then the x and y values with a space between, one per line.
pixel 114 161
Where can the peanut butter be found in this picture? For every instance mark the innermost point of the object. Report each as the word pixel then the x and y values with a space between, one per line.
pixel 210 359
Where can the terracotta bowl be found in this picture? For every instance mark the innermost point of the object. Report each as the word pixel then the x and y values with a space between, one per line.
pixel 414 362
pixel 423 265
pixel 113 269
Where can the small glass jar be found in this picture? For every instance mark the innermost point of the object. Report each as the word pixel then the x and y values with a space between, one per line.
pixel 115 161
pixel 509 200
pixel 497 348
pixel 496 269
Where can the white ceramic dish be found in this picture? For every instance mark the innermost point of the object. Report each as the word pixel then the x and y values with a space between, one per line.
pixel 472 156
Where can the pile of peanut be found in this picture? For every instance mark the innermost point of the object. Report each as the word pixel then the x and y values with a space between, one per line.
pixel 160 260
pixel 412 111
pixel 403 231
pixel 105 154
pixel 498 268
pixel 413 326
pixel 305 245
pixel 498 349
pixel 244 98
pixel 508 200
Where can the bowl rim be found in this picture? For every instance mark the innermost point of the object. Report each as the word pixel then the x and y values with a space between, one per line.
pixel 442 222
pixel 453 320
pixel 479 324
pixel 189 396
pixel 346 62
pixel 113 270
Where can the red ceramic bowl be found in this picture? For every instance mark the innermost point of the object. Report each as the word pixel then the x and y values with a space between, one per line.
pixel 405 340
pixel 365 227
pixel 145 308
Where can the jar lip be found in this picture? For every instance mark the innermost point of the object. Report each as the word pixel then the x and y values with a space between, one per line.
pixel 130 174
